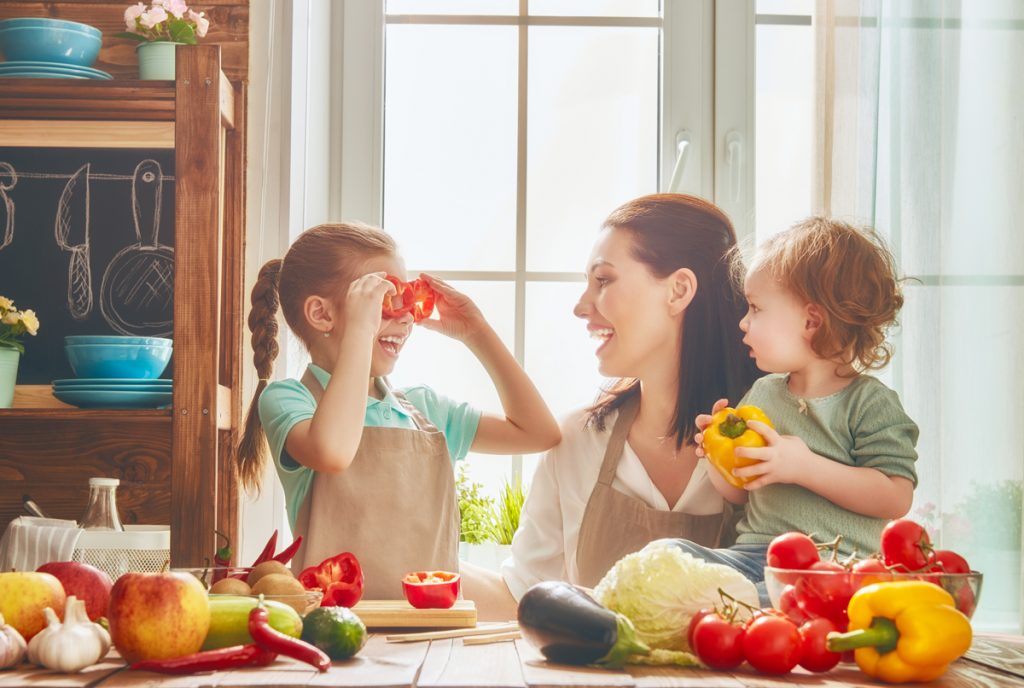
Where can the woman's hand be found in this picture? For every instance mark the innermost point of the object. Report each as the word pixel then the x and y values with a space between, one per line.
pixel 364 302
pixel 704 420
pixel 460 318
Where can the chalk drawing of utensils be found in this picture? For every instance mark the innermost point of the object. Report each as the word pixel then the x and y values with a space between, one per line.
pixel 8 178
pixel 71 228
pixel 137 293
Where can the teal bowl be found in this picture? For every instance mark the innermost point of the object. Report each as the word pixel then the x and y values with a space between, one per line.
pixel 49 40
pixel 136 361
pixel 116 339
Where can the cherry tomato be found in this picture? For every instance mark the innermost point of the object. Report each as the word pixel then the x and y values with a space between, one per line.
pixel 814 656
pixel 965 599
pixel 868 571
pixel 696 620
pixel 826 594
pixel 772 645
pixel 767 611
pixel 792 551
pixel 947 561
pixel 789 604
pixel 906 544
pixel 718 643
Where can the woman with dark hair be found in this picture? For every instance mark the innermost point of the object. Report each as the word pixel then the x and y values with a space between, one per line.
pixel 661 300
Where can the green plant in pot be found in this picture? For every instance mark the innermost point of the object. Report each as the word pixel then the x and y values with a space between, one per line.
pixel 476 511
pixel 159 28
pixel 510 506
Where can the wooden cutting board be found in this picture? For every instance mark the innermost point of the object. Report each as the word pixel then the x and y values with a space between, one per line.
pixel 401 614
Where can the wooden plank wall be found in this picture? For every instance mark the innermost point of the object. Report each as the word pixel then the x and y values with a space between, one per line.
pixel 229 28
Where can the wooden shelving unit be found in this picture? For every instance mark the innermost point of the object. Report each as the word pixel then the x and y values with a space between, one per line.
pixel 176 465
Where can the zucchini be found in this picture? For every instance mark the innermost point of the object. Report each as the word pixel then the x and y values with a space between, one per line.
pixel 229 620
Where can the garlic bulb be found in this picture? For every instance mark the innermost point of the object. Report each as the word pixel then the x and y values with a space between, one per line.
pixel 12 645
pixel 71 646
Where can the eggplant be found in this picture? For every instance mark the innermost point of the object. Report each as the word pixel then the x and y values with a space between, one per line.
pixel 568 626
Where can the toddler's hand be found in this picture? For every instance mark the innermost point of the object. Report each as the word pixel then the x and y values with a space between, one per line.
pixel 784 459
pixel 704 420
pixel 459 317
pixel 364 301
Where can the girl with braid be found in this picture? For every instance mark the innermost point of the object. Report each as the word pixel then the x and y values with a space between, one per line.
pixel 367 468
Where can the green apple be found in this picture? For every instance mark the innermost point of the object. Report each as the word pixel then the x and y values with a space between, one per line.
pixel 158 615
pixel 24 596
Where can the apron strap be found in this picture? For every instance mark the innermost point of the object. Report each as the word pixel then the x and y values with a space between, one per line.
pixel 313 385
pixel 421 421
pixel 620 431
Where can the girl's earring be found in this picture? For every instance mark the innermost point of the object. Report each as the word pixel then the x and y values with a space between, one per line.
pixel 327 334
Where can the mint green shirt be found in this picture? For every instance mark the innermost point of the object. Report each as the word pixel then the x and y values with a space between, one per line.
pixel 863 425
pixel 287 402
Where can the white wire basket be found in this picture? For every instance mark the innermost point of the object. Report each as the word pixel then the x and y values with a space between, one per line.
pixel 137 548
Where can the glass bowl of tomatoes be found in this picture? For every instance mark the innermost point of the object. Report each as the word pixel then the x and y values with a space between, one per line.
pixel 825 591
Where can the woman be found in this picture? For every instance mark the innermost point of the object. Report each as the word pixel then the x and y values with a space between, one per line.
pixel 661 299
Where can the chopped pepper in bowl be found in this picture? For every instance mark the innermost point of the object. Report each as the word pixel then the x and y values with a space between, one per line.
pixel 431 589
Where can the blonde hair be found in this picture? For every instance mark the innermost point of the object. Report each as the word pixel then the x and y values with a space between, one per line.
pixel 323 261
pixel 850 275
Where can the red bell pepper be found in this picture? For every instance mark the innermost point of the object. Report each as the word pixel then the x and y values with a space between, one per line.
pixel 416 297
pixel 339 577
pixel 431 589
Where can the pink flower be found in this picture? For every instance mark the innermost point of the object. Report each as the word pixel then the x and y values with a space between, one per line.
pixel 176 7
pixel 153 17
pixel 202 23
pixel 132 13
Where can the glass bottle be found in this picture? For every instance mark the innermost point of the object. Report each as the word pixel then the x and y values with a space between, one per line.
pixel 101 512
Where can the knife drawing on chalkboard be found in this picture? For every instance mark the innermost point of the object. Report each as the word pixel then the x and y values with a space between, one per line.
pixel 8 178
pixel 136 295
pixel 71 229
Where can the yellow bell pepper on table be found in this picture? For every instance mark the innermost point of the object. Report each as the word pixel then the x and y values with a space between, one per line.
pixel 728 431
pixel 903 631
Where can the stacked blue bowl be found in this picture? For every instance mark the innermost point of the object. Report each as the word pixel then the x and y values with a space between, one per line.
pixel 40 47
pixel 116 372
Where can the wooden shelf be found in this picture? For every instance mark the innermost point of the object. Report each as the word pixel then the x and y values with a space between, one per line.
pixel 81 99
pixel 118 415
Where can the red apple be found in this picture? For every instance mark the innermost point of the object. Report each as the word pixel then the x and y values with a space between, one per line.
pixel 85 582
pixel 24 596
pixel 158 615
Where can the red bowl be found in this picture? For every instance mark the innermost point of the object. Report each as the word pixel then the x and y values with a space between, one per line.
pixel 431 589
pixel 827 594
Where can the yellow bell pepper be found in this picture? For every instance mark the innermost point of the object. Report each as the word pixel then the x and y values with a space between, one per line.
pixel 727 431
pixel 903 631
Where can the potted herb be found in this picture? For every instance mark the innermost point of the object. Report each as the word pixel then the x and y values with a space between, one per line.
pixel 160 28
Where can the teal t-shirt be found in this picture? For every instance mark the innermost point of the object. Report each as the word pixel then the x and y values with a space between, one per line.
pixel 863 424
pixel 287 402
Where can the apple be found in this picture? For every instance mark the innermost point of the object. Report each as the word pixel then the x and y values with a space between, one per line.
pixel 85 582
pixel 158 615
pixel 24 596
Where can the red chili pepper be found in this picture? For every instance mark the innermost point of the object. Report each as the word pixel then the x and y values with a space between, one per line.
pixel 212 660
pixel 286 555
pixel 269 638
pixel 340 577
pixel 268 549
pixel 222 558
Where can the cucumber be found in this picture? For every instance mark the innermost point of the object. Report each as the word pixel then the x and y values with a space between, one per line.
pixel 229 620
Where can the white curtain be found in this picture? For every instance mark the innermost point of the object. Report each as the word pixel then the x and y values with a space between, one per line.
pixel 920 133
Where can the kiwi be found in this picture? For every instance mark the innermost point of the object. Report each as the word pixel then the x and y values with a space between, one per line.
pixel 267 568
pixel 230 586
pixel 275 584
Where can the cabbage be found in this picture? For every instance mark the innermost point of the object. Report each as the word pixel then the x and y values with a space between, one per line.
pixel 661 587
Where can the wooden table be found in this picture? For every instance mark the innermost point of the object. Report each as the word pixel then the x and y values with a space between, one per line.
pixel 993 661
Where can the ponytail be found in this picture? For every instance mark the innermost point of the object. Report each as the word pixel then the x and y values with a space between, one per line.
pixel 252 450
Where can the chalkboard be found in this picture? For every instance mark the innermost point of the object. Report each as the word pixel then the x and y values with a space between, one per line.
pixel 87 242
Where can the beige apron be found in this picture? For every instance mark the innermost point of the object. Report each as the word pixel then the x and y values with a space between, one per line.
pixel 394 507
pixel 615 524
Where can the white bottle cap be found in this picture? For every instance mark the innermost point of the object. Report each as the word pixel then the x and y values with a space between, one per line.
pixel 104 482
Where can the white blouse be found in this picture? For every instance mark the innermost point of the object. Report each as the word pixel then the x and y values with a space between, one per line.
pixel 544 547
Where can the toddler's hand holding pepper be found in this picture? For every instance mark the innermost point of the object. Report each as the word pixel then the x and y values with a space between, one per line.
pixel 783 459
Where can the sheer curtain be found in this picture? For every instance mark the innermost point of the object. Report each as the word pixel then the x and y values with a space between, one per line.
pixel 920 133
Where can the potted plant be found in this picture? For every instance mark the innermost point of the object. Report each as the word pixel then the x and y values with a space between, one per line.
pixel 14 324
pixel 159 28
pixel 487 525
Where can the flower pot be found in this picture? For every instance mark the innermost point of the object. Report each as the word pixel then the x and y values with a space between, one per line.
pixel 488 555
pixel 156 59
pixel 8 374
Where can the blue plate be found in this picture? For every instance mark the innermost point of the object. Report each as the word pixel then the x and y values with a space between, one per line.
pixel 103 381
pixel 163 389
pixel 111 399
pixel 39 75
pixel 23 67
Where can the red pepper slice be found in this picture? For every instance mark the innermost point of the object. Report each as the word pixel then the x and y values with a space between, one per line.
pixel 431 589
pixel 339 577
pixel 424 298
pixel 269 638
pixel 212 660
pixel 401 302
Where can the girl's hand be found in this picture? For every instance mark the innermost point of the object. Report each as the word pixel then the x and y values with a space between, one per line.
pixel 364 302
pixel 784 459
pixel 459 317
pixel 704 420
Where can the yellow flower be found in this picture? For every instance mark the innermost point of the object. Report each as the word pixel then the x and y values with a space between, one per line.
pixel 11 318
pixel 30 321
pixel 6 304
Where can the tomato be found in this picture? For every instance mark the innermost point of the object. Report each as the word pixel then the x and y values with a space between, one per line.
pixel 868 571
pixel 772 645
pixel 947 561
pixel 826 594
pixel 965 599
pixel 758 613
pixel 718 643
pixel 906 544
pixel 693 624
pixel 814 656
pixel 789 604
pixel 792 551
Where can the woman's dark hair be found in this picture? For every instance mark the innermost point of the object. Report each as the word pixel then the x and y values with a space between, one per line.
pixel 673 231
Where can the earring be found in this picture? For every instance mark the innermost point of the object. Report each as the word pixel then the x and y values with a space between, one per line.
pixel 327 334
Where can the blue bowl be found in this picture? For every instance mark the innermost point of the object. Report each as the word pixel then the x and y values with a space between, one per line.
pixel 118 360
pixel 47 22
pixel 56 40
pixel 116 339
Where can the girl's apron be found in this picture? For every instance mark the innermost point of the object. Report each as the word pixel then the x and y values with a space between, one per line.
pixel 615 524
pixel 394 507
